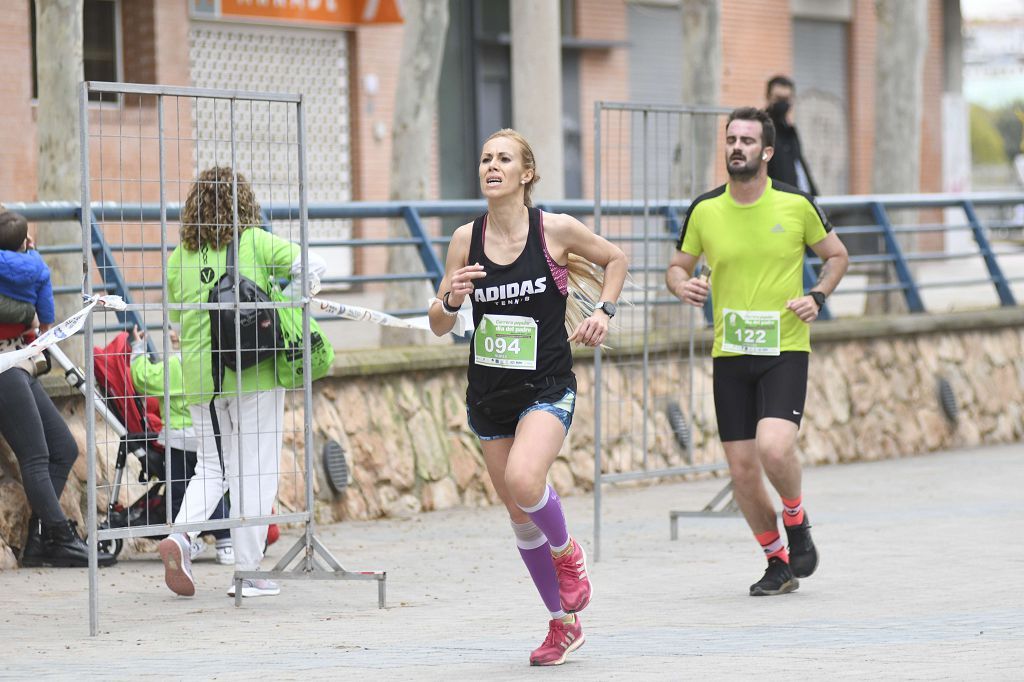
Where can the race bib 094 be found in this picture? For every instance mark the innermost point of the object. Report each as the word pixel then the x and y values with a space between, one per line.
pixel 506 341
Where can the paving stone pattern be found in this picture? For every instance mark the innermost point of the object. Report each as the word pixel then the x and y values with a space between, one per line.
pixel 920 579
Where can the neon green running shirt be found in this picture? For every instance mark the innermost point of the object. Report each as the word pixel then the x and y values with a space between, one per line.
pixel 756 254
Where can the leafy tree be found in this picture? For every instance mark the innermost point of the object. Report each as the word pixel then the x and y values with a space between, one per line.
pixel 987 146
pixel 1008 122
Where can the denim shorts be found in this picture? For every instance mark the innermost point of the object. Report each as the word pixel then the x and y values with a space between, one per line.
pixel 487 429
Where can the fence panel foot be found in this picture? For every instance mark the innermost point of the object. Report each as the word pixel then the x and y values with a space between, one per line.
pixel 312 561
pixel 722 504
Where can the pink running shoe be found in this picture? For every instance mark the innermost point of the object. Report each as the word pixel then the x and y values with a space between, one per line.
pixel 574 587
pixel 562 639
pixel 176 553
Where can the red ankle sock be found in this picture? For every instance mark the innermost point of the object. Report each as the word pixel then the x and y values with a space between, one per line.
pixel 772 545
pixel 793 511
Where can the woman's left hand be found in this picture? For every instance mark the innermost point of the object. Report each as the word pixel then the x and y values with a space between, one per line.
pixel 592 331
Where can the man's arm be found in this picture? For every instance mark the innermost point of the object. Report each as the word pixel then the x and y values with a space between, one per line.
pixel 680 280
pixel 834 262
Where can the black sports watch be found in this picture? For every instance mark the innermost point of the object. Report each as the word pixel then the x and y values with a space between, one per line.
pixel 818 296
pixel 606 307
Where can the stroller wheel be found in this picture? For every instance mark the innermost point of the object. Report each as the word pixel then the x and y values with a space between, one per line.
pixel 112 547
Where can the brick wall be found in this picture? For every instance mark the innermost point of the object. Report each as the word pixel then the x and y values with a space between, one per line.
pixel 757 43
pixel 862 99
pixel 603 73
pixel 374 51
pixel 153 56
pixel 862 95
pixel 138 38
pixel 18 131
pixel 171 50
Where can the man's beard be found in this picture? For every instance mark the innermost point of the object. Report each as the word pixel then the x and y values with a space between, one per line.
pixel 745 172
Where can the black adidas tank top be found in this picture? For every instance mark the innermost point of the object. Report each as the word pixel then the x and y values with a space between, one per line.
pixel 526 288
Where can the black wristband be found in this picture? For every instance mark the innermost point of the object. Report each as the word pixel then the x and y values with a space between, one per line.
pixel 819 298
pixel 447 306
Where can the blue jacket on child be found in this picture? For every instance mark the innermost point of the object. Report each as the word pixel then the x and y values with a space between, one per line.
pixel 25 277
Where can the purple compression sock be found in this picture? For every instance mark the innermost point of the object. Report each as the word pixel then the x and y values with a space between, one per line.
pixel 536 553
pixel 548 516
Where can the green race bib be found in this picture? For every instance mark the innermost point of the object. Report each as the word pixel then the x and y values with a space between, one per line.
pixel 506 341
pixel 751 332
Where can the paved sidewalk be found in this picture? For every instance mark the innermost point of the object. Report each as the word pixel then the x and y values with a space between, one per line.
pixel 920 578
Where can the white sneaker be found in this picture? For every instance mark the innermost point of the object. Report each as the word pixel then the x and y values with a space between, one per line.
pixel 256 587
pixel 198 546
pixel 226 555
pixel 174 552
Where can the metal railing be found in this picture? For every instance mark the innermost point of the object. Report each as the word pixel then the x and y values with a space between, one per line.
pixel 893 259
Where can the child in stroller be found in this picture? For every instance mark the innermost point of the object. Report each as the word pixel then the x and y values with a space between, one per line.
pixel 178 438
pixel 134 418
pixel 135 421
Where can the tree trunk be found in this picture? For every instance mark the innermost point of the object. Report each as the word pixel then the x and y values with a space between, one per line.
pixel 899 70
pixel 412 135
pixel 537 90
pixel 702 57
pixel 59 70
pixel 693 153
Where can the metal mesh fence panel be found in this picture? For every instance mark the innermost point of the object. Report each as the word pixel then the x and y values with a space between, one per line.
pixel 654 406
pixel 203 384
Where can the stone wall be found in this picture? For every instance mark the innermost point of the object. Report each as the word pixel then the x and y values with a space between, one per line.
pixel 400 417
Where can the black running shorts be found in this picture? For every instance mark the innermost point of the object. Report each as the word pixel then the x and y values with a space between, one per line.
pixel 497 415
pixel 749 388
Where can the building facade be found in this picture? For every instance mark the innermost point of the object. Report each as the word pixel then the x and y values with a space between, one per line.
pixel 347 66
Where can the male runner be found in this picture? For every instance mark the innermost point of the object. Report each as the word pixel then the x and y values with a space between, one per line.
pixel 753 233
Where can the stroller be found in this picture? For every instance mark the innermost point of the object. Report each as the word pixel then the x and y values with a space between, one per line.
pixel 136 422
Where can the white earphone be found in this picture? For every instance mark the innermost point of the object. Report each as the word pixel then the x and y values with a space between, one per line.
pixel 764 156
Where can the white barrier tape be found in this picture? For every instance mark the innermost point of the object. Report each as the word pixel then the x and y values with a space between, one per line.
pixel 58 333
pixel 463 321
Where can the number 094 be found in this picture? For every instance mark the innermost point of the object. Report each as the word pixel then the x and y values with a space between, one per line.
pixel 501 346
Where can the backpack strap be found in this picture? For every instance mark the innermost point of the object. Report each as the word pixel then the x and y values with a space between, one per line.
pixel 217 363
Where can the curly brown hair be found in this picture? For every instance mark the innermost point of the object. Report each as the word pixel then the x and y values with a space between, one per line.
pixel 207 216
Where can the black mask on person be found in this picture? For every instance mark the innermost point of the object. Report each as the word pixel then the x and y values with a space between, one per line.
pixel 778 110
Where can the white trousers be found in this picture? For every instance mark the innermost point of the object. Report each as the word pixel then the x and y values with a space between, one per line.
pixel 251 431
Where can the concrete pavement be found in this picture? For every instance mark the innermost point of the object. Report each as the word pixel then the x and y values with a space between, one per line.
pixel 920 578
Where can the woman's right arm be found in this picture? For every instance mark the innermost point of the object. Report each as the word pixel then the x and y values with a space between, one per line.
pixel 457 281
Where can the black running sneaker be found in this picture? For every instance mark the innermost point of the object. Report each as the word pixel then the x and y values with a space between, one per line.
pixel 803 557
pixel 778 579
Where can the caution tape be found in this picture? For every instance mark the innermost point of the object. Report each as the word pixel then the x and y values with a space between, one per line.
pixel 463 321
pixel 74 324
pixel 60 332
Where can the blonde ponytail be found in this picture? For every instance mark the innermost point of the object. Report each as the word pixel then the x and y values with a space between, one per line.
pixel 586 281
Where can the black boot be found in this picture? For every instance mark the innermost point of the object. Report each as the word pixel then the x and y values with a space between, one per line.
pixel 64 548
pixel 35 546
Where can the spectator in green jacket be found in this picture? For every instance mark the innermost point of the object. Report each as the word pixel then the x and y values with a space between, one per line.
pixel 221 203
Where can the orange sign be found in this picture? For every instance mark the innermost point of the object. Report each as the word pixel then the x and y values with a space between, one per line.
pixel 321 12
